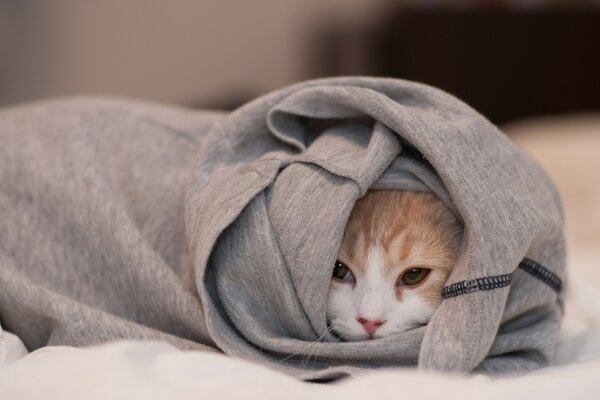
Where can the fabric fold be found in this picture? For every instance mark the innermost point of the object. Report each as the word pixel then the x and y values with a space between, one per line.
pixel 223 228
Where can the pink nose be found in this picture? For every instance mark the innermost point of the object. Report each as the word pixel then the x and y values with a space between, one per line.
pixel 370 325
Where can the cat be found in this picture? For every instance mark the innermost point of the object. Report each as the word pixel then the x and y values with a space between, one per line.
pixel 397 251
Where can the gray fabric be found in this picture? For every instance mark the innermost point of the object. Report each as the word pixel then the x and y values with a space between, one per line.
pixel 110 229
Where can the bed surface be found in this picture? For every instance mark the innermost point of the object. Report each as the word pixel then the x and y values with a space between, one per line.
pixel 569 148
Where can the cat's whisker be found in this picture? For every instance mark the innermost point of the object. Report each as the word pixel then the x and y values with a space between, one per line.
pixel 313 347
pixel 317 340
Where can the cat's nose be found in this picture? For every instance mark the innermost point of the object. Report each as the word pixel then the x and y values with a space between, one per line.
pixel 370 325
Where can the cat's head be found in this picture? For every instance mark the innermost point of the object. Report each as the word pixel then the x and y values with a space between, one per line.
pixel 396 254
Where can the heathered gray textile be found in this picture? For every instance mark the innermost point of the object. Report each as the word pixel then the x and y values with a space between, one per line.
pixel 109 229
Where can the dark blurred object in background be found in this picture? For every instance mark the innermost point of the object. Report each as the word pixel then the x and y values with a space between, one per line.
pixel 507 64
pixel 507 58
pixel 24 50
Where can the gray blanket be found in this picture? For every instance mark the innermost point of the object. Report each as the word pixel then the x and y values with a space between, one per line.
pixel 218 232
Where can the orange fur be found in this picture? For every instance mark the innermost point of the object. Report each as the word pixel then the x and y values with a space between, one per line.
pixel 414 229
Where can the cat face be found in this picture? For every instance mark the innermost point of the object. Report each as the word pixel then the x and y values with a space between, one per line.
pixel 396 254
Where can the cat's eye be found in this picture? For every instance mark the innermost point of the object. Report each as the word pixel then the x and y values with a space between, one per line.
pixel 341 272
pixel 413 276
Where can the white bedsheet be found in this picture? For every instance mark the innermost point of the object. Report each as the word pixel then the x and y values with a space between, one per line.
pixel 150 370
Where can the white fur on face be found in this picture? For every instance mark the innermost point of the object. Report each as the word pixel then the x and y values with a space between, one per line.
pixel 374 297
pixel 388 233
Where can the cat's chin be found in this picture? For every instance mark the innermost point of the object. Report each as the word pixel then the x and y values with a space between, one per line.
pixel 344 337
pixel 365 338
pixel 355 337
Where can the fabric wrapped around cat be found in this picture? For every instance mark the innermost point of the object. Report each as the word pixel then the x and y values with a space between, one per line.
pixel 104 216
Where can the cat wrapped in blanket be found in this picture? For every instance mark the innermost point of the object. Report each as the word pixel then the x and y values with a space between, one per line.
pixel 397 251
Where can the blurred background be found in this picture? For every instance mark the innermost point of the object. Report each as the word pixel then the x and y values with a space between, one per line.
pixel 532 66
pixel 507 58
